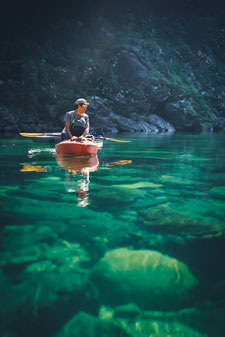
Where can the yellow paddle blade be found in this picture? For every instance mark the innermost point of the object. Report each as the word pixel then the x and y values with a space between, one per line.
pixel 24 134
pixel 116 140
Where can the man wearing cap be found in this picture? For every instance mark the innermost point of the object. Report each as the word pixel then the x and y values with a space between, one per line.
pixel 76 121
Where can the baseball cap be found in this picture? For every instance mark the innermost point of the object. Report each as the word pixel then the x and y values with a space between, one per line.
pixel 81 101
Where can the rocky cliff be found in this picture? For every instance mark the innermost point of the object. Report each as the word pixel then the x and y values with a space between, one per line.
pixel 144 73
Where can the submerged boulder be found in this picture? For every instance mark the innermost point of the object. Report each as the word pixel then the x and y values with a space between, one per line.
pixel 154 328
pixel 166 219
pixel 145 277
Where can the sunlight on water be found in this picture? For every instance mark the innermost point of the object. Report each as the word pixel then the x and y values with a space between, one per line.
pixel 129 242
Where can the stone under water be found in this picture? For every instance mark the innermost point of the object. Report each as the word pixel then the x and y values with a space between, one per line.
pixel 145 277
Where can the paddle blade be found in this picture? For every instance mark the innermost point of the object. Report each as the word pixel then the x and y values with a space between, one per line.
pixel 24 134
pixel 116 140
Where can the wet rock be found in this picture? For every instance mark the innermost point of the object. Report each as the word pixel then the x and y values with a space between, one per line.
pixel 181 114
pixel 160 123
pixel 146 278
pixel 103 118
pixel 85 325
pixel 99 111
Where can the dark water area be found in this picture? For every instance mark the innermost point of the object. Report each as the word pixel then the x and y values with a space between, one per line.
pixel 126 243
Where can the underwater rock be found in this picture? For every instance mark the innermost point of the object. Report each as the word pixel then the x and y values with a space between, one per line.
pixel 85 325
pixel 114 198
pixel 45 266
pixel 153 328
pixel 105 313
pixel 27 234
pixel 164 219
pixel 130 311
pixel 145 277
pixel 24 244
pixel 164 215
pixel 218 192
pixel 60 272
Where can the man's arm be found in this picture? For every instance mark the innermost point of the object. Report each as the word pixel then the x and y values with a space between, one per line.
pixel 67 127
pixel 86 131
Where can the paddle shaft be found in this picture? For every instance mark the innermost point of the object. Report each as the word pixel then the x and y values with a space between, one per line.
pixel 116 140
pixel 24 134
pixel 39 134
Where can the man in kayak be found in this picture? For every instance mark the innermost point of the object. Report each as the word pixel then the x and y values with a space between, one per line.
pixel 76 121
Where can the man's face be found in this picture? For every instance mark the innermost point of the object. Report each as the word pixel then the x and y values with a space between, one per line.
pixel 81 109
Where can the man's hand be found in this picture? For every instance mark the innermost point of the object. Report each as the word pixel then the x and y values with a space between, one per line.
pixel 91 138
pixel 73 138
pixel 82 138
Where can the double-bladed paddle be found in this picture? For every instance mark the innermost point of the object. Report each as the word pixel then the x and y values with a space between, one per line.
pixel 114 140
pixel 38 134
pixel 24 134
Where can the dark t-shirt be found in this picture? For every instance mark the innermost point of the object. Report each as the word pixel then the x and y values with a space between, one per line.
pixel 79 121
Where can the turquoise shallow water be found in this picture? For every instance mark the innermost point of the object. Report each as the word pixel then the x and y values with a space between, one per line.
pixel 128 243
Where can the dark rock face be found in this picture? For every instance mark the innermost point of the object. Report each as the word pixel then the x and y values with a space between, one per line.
pixel 132 72
pixel 151 75
pixel 103 119
pixel 160 123
pixel 182 116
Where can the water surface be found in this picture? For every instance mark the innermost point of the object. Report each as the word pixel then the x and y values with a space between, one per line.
pixel 61 215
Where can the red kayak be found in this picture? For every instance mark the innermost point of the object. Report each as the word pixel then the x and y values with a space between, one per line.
pixel 77 147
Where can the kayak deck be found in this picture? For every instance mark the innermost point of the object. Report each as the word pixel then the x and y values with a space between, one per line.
pixel 77 147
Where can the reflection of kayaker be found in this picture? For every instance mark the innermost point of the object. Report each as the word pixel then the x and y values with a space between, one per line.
pixel 83 165
pixel 78 164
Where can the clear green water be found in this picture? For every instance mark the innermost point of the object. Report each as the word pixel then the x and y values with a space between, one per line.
pixel 60 216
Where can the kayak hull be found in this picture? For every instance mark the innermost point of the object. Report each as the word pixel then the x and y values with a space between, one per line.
pixel 77 147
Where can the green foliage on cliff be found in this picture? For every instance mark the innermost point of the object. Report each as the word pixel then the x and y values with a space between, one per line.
pixel 172 59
